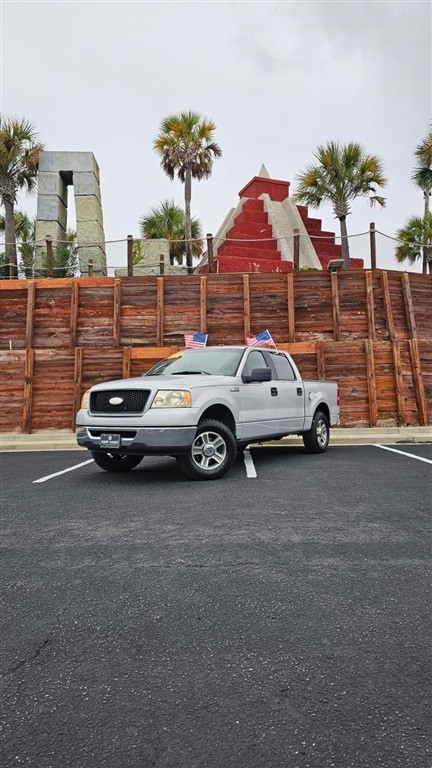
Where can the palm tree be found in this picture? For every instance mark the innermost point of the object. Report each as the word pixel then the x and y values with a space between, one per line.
pixel 65 257
pixel 416 241
pixel 343 172
pixel 186 146
pixel 423 178
pixel 168 222
pixel 24 228
pixel 19 158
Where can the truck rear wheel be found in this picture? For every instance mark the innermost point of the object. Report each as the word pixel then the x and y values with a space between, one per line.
pixel 317 438
pixel 115 462
pixel 212 454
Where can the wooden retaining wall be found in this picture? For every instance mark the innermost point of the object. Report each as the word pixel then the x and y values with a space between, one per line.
pixel 368 330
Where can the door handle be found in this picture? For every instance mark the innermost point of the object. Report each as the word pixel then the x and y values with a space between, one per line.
pixel 299 391
pixel 273 391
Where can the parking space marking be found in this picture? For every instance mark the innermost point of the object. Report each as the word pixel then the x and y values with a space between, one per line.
pixel 250 466
pixel 403 453
pixel 69 469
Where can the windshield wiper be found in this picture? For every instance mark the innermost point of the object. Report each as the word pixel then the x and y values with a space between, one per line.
pixel 189 373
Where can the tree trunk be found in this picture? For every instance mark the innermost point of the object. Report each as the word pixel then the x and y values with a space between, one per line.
pixel 10 238
pixel 187 222
pixel 426 263
pixel 344 242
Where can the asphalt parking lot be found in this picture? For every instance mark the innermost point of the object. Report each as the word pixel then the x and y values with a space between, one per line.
pixel 276 618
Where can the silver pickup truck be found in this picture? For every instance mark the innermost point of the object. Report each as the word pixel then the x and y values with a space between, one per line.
pixel 201 406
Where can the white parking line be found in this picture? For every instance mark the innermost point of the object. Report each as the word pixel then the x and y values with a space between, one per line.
pixel 403 453
pixel 69 469
pixel 250 466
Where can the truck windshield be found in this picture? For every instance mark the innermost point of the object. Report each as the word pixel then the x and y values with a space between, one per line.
pixel 212 360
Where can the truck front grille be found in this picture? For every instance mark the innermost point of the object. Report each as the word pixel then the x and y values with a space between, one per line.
pixel 133 401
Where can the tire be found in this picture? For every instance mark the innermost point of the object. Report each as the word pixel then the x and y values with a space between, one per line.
pixel 212 454
pixel 316 440
pixel 115 462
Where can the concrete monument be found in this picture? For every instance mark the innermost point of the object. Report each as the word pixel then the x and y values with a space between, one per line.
pixel 57 171
pixel 153 252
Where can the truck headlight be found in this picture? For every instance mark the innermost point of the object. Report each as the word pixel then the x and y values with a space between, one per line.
pixel 172 398
pixel 85 399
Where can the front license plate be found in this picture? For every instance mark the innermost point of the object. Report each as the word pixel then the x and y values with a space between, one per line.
pixel 110 441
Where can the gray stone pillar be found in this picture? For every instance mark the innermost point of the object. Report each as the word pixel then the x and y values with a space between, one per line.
pixel 51 215
pixel 57 171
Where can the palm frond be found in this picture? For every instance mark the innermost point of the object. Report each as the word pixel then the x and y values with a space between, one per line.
pixel 342 173
pixel 166 221
pixel 186 141
pixel 413 238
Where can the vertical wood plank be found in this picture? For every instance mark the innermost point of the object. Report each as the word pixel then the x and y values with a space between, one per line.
pixel 117 312
pixel 398 379
pixel 31 289
pixel 409 308
pixel 159 311
pixel 246 307
pixel 320 360
pixel 387 305
pixel 28 390
pixel 370 305
pixel 335 304
pixel 77 385
pixel 203 304
pixel 291 312
pixel 74 314
pixel 126 362
pixel 371 383
pixel 418 383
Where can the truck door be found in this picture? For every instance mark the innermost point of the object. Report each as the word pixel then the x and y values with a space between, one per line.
pixel 259 407
pixel 291 397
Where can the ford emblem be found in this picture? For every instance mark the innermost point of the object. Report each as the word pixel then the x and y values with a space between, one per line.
pixel 116 400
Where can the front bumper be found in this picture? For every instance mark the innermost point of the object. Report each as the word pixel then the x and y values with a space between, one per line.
pixel 140 441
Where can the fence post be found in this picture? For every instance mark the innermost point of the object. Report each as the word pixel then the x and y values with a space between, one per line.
pixel 209 237
pixel 161 264
pixel 372 239
pixel 90 267
pixel 130 255
pixel 49 255
pixel 296 257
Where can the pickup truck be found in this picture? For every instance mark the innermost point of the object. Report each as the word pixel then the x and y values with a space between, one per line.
pixel 203 405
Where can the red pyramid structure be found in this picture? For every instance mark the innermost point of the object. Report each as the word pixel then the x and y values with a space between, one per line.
pixel 257 235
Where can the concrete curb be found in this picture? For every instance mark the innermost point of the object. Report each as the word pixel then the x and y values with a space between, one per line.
pixel 65 441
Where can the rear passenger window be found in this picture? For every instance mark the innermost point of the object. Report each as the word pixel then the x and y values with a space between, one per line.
pixel 283 367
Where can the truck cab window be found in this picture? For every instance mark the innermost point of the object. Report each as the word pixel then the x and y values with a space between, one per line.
pixel 255 359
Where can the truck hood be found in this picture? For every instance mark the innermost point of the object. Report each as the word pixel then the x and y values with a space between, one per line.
pixel 177 381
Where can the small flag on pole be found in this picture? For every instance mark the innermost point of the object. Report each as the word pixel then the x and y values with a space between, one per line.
pixel 260 339
pixel 195 340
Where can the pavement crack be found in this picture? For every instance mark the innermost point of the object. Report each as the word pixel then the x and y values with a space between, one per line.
pixel 36 653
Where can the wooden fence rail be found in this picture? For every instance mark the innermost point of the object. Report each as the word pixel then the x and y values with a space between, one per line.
pixel 368 330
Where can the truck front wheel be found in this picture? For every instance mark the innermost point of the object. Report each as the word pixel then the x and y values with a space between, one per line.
pixel 212 454
pixel 317 438
pixel 115 462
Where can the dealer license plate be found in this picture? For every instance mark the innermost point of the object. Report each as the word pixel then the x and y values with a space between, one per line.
pixel 110 441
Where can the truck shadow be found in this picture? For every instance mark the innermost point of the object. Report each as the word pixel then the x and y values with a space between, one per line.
pixel 157 470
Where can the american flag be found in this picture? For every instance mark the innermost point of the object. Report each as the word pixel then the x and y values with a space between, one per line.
pixel 260 338
pixel 195 340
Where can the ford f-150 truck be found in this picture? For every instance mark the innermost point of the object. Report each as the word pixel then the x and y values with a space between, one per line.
pixel 202 405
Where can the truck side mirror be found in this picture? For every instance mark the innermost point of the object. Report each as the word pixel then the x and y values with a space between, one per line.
pixel 257 374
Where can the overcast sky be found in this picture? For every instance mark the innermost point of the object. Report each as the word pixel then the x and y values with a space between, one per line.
pixel 277 78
